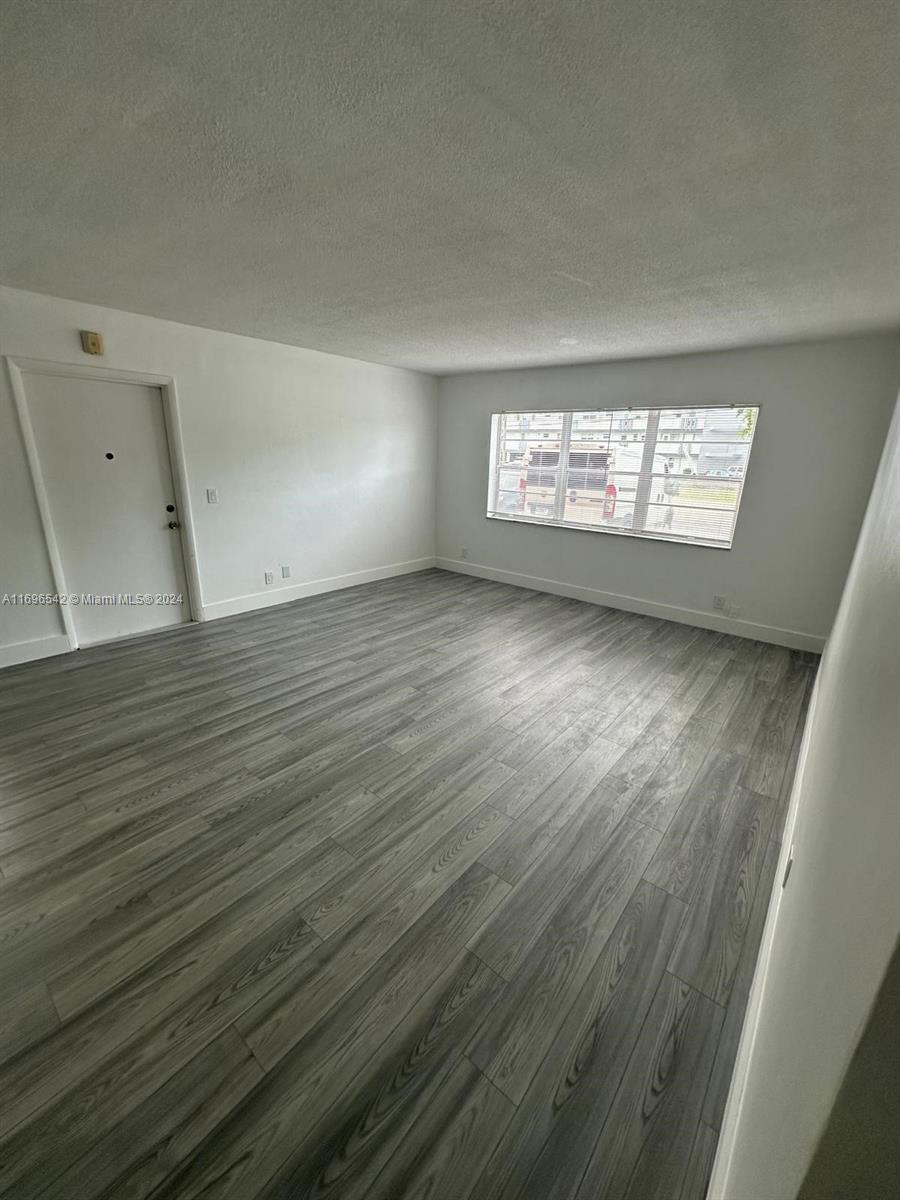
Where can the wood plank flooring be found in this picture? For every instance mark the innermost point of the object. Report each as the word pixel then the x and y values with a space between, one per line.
pixel 429 888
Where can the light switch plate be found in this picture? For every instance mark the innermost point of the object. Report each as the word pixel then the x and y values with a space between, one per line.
pixel 212 495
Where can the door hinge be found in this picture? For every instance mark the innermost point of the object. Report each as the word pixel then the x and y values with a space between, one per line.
pixel 788 865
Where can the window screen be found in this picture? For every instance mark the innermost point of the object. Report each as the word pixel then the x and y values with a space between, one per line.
pixel 671 473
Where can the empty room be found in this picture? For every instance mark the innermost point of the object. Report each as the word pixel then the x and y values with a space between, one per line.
pixel 449 600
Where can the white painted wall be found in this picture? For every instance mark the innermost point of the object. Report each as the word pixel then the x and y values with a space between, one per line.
pixel 323 463
pixel 832 930
pixel 825 410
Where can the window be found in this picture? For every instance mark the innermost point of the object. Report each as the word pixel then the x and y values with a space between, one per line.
pixel 679 477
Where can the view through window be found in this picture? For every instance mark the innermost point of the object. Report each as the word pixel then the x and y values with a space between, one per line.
pixel 671 473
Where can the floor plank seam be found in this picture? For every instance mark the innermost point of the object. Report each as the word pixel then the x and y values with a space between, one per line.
pixel 698 990
pixel 251 1052
pixel 310 804
pixel 464 1055
pixel 502 978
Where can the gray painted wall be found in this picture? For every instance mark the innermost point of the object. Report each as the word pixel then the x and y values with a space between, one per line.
pixel 322 462
pixel 832 930
pixel 825 410
pixel 859 1153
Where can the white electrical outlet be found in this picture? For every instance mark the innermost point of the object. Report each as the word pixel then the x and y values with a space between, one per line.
pixel 270 576
pixel 719 603
pixel 285 572
pixel 212 495
pixel 733 610
pixel 464 552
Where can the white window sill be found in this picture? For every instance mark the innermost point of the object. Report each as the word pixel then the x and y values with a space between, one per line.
pixel 578 527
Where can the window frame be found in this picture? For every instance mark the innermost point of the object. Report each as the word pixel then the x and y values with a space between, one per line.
pixel 567 417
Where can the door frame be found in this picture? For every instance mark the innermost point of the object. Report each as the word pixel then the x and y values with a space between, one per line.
pixel 17 368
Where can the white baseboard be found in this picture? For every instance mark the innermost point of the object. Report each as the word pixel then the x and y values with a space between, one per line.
pixel 296 591
pixel 649 608
pixel 44 647
pixel 20 652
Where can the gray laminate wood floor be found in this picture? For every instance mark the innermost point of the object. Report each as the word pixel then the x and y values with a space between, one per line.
pixel 429 888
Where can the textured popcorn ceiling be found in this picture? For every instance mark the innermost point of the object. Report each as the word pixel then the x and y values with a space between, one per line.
pixel 459 183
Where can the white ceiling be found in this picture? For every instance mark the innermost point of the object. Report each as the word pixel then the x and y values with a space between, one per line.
pixel 459 183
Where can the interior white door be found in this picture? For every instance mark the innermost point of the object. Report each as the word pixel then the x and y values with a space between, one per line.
pixel 104 459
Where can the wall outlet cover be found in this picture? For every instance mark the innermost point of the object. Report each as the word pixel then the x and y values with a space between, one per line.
pixel 270 576
pixel 285 572
pixel 719 603
pixel 212 495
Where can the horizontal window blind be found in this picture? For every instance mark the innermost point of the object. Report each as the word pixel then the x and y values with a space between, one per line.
pixel 670 473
